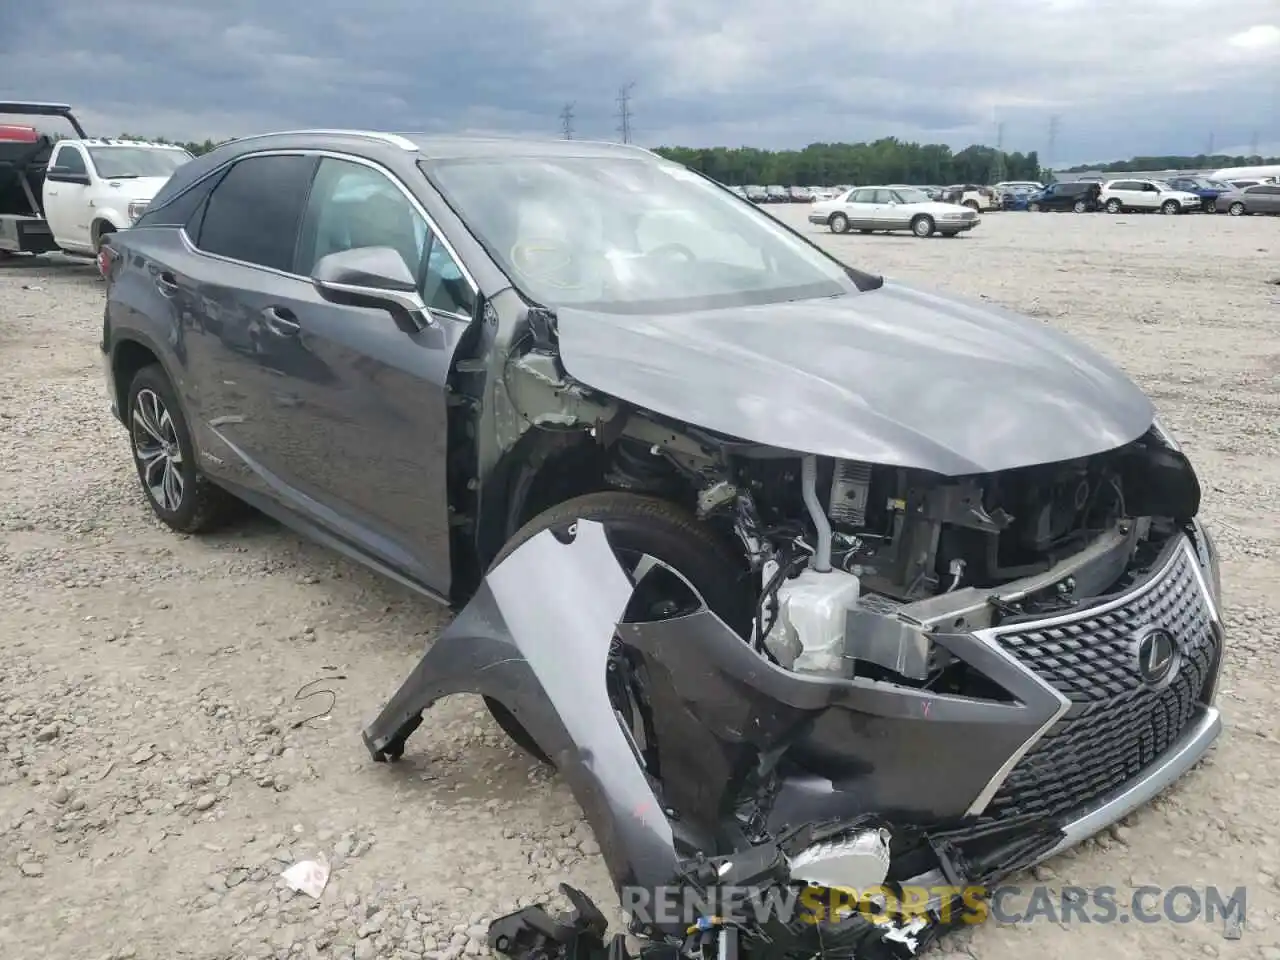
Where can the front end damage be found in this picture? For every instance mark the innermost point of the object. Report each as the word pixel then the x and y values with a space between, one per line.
pixel 943 738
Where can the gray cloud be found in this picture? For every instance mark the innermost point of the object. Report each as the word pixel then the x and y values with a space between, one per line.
pixel 1148 76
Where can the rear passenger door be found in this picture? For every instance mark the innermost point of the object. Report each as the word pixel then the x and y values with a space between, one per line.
pixel 331 412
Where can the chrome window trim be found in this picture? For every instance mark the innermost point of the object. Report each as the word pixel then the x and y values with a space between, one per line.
pixel 394 139
pixel 989 636
pixel 335 155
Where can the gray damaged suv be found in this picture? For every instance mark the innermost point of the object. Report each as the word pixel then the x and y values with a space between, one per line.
pixel 745 541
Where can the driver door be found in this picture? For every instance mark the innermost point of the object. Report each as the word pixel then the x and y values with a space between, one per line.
pixel 891 213
pixel 66 201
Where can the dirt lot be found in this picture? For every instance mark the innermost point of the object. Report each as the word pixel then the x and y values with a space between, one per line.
pixel 153 784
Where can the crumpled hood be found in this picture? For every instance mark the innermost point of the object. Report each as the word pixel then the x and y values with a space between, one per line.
pixel 897 375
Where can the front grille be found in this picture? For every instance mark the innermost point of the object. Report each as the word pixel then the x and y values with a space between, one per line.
pixel 968 215
pixel 1116 725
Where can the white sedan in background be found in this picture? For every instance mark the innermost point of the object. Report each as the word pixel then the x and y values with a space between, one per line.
pixel 868 209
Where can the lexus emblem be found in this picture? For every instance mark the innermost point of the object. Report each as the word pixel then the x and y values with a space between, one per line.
pixel 1157 653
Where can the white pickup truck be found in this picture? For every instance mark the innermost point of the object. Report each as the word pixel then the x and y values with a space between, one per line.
pixel 68 194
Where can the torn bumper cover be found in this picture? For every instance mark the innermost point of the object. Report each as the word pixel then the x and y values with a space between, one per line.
pixel 783 776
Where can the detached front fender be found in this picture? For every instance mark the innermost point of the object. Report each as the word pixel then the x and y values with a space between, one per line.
pixel 536 636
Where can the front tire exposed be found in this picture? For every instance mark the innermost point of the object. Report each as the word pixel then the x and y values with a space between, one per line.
pixel 922 226
pixel 1236 209
pixel 165 457
pixel 1113 206
pixel 688 554
pixel 838 223
pixel 1079 207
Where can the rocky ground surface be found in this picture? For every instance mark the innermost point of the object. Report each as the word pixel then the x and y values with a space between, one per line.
pixel 163 759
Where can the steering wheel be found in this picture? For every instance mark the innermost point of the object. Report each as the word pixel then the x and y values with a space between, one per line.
pixel 670 249
pixel 546 260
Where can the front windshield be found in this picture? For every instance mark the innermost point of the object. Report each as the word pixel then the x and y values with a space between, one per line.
pixel 629 235
pixel 912 195
pixel 1217 185
pixel 119 163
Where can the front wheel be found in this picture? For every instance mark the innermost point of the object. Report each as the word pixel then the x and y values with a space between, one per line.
pixel 922 226
pixel 1210 206
pixel 1236 209
pixel 1033 207
pixel 1113 206
pixel 838 223
pixel 678 563
pixel 1079 206
pixel 1170 207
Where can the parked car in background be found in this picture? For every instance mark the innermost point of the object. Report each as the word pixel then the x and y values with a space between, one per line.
pixel 1208 190
pixel 1078 196
pixel 799 195
pixel 757 194
pixel 868 209
pixel 740 191
pixel 777 194
pixel 825 193
pixel 975 197
pixel 1018 197
pixel 1256 198
pixel 1148 196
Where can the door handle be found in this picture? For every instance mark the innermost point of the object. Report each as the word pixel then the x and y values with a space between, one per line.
pixel 281 321
pixel 166 284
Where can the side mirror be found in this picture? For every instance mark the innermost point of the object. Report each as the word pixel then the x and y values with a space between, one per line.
pixel 373 277
pixel 63 175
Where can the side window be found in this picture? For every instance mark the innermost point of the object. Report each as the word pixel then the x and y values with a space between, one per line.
pixel 183 209
pixel 253 213
pixel 884 196
pixel 70 159
pixel 353 206
pixel 862 196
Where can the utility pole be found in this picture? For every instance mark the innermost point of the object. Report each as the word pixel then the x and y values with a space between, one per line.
pixel 1053 141
pixel 624 110
pixel 566 121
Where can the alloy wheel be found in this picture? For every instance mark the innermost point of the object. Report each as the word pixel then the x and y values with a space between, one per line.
pixel 157 450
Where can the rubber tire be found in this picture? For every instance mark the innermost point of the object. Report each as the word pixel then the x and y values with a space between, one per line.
pixel 205 506
pixel 1113 206
pixel 662 530
pixel 1236 209
pixel 866 232
pixel 1170 208
pixel 926 219
pixel 1033 208
pixel 838 223
pixel 1079 207
pixel 1209 206
pixel 972 205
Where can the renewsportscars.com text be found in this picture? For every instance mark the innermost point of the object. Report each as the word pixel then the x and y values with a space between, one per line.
pixel 969 905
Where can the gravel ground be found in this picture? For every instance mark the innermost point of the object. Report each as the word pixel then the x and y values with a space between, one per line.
pixel 158 771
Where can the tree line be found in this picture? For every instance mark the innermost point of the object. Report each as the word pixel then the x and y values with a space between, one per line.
pixel 1201 161
pixel 887 160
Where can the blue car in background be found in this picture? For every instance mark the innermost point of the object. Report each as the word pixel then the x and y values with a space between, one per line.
pixel 1206 189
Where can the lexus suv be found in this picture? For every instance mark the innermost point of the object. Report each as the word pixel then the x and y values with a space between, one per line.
pixel 756 547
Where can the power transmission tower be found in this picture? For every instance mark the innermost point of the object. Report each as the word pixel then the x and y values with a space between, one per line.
pixel 1053 141
pixel 624 111
pixel 998 171
pixel 566 121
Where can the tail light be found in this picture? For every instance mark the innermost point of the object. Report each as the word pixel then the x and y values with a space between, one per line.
pixel 105 256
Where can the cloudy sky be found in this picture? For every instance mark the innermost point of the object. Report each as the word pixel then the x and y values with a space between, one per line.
pixel 1142 76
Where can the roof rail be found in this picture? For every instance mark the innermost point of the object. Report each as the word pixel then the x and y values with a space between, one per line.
pixel 394 139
